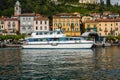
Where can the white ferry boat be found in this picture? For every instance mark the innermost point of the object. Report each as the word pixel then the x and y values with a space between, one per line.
pixel 55 40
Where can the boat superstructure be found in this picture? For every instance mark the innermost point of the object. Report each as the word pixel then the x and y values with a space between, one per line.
pixel 55 39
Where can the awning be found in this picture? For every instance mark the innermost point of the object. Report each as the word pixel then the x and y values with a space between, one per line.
pixel 89 33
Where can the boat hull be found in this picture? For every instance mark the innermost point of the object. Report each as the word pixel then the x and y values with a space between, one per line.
pixel 58 46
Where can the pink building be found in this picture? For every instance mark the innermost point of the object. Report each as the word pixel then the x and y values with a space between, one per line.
pixel 11 25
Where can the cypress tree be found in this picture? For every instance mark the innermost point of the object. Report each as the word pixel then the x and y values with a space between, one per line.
pixel 108 2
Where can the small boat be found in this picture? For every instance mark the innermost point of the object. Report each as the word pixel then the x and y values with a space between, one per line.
pixel 55 40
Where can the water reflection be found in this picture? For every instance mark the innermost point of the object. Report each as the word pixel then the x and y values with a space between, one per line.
pixel 9 64
pixel 56 64
pixel 83 64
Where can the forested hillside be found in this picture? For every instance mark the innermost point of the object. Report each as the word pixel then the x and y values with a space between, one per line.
pixel 48 8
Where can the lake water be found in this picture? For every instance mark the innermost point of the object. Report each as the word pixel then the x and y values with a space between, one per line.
pixel 61 64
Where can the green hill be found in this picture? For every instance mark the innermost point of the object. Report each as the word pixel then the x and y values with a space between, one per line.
pixel 48 8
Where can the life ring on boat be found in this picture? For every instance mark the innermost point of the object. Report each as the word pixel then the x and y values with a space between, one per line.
pixel 54 44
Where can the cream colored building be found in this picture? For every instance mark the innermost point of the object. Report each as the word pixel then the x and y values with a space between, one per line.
pixel 88 1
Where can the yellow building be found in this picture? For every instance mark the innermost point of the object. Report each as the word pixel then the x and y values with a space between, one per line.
pixel 68 22
pixel 91 25
pixel 105 27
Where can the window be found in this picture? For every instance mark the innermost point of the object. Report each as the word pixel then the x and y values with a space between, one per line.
pixel 45 22
pixel 111 24
pixel 29 19
pixel 116 24
pixel 76 24
pixel 99 24
pixel 36 27
pixel 23 28
pixel 68 29
pixel 45 27
pixel 35 39
pixel 68 24
pixel 105 24
pixel 8 25
pixel 40 27
pixel 23 19
pixel 40 22
pixel 77 29
pixel 55 24
pixel 36 22
pixel 26 19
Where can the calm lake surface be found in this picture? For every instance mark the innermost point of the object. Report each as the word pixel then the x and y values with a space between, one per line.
pixel 61 64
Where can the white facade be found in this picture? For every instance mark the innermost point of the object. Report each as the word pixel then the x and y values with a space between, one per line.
pixel 27 23
pixel 41 24
pixel 88 1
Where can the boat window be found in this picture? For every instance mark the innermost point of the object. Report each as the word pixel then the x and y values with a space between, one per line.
pixel 77 38
pixel 62 39
pixel 40 39
pixel 40 33
pixel 37 33
pixel 35 39
pixel 50 32
pixel 30 40
pixel 58 32
pixel 67 39
pixel 71 39
pixel 46 33
pixel 44 40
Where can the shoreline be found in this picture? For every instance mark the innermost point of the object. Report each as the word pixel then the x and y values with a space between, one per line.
pixel 19 45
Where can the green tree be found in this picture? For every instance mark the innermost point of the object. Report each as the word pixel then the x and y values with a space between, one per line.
pixel 108 3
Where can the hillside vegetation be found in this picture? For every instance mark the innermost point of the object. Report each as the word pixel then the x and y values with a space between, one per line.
pixel 48 8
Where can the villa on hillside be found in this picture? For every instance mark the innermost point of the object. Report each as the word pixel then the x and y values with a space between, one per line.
pixel 88 1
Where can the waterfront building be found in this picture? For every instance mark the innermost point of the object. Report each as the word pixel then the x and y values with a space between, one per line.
pixel 105 27
pixel 27 23
pixel 1 25
pixel 88 1
pixel 108 27
pixel 68 22
pixel 41 23
pixel 91 25
pixel 11 26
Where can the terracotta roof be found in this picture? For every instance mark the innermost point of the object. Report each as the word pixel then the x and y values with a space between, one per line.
pixel 11 19
pixel 27 14
pixel 66 14
pixel 107 20
pixel 103 20
pixel 91 21
pixel 41 18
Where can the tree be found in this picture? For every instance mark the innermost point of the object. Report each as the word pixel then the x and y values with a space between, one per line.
pixel 108 3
